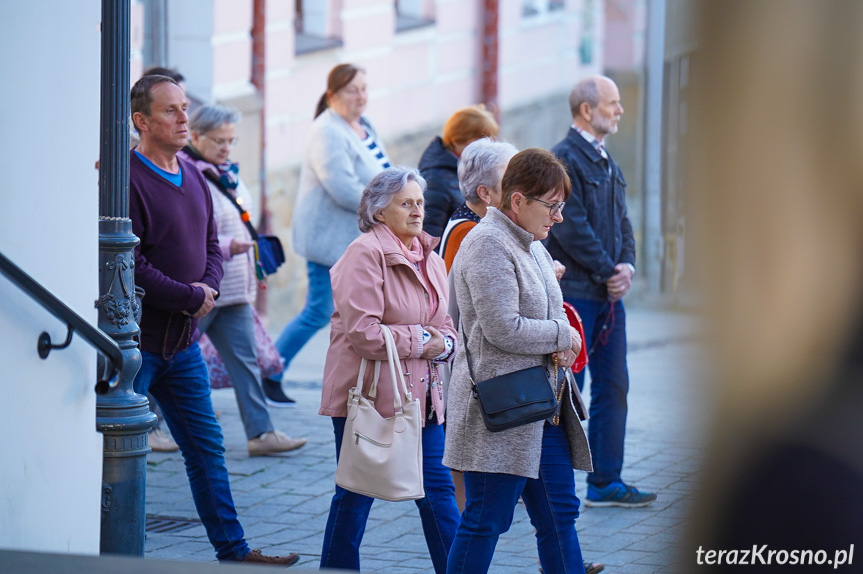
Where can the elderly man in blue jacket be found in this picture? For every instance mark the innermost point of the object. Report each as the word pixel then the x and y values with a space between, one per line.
pixel 596 244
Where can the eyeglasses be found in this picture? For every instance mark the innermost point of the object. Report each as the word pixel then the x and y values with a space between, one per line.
pixel 553 208
pixel 222 141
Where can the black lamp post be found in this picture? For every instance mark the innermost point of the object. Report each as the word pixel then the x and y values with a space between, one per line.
pixel 122 416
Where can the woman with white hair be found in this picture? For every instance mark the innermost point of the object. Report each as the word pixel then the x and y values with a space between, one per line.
pixel 390 275
pixel 230 325
pixel 480 170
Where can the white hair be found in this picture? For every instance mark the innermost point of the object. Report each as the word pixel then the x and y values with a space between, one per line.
pixel 380 192
pixel 211 117
pixel 480 164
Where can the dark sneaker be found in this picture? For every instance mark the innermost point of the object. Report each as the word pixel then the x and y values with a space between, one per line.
pixel 257 557
pixel 617 494
pixel 275 396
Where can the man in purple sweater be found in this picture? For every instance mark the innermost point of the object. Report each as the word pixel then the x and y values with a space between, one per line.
pixel 179 265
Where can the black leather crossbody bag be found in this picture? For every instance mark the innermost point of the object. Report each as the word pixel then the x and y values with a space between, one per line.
pixel 516 398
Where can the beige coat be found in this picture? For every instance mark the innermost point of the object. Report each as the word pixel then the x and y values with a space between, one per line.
pixel 511 311
pixel 374 283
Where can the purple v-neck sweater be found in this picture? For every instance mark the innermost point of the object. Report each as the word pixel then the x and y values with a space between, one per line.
pixel 179 246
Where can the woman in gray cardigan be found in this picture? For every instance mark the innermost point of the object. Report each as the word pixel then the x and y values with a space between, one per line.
pixel 511 315
pixel 343 154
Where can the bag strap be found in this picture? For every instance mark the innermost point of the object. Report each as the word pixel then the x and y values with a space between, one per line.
pixel 244 215
pixel 396 373
pixel 464 333
pixel 395 368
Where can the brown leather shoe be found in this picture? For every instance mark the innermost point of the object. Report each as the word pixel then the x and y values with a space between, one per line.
pixel 257 557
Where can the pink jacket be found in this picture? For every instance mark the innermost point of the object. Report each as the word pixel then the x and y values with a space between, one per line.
pixel 374 283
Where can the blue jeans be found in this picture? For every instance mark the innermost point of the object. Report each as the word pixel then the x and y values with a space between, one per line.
pixel 609 384
pixel 550 502
pixel 349 511
pixel 182 388
pixel 315 315
pixel 231 329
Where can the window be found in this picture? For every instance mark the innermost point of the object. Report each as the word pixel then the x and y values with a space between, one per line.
pixel 412 14
pixel 312 27
pixel 535 7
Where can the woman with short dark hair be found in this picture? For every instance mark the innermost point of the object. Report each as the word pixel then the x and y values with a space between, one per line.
pixel 511 318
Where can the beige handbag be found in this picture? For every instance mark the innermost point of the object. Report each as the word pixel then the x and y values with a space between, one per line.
pixel 382 457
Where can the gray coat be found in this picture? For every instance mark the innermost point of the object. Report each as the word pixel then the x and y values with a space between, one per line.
pixel 335 171
pixel 511 311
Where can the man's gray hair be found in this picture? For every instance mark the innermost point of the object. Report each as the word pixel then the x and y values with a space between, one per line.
pixel 585 91
pixel 380 192
pixel 480 164
pixel 211 117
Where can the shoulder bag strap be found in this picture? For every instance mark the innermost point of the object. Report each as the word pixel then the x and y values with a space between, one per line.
pixel 373 388
pixel 464 333
pixel 244 215
pixel 395 370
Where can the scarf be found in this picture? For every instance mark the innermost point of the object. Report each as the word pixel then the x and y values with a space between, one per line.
pixel 228 172
pixel 415 254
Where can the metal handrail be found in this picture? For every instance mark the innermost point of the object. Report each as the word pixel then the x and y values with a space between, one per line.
pixel 109 377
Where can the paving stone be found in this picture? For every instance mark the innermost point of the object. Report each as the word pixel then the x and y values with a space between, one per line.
pixel 283 501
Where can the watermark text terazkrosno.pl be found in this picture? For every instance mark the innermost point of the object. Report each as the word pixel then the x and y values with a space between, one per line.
pixel 763 555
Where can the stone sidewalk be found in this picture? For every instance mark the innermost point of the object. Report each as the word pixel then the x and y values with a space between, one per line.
pixel 283 500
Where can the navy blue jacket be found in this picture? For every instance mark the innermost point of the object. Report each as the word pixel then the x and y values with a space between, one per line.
pixel 439 167
pixel 595 234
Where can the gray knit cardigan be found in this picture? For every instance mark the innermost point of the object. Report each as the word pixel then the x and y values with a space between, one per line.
pixel 336 169
pixel 511 311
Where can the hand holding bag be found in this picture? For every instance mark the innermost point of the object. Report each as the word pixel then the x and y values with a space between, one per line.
pixel 382 457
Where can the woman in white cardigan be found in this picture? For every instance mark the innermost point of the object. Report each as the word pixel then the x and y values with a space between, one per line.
pixel 343 154
pixel 231 324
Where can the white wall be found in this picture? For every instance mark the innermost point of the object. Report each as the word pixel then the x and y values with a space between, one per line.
pixel 50 453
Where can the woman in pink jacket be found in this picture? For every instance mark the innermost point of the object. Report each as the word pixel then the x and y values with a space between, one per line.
pixel 391 275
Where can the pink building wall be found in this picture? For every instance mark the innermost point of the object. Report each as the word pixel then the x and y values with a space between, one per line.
pixel 625 25
pixel 416 77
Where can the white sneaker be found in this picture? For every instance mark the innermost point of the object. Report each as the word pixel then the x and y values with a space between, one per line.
pixel 272 442
pixel 160 441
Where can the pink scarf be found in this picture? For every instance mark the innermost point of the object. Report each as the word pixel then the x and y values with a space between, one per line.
pixel 415 254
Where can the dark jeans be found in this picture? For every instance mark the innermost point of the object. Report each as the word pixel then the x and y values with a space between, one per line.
pixel 349 511
pixel 182 388
pixel 550 502
pixel 609 384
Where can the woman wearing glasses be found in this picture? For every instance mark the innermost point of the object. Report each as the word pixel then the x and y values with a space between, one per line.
pixel 391 275
pixel 511 318
pixel 231 325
